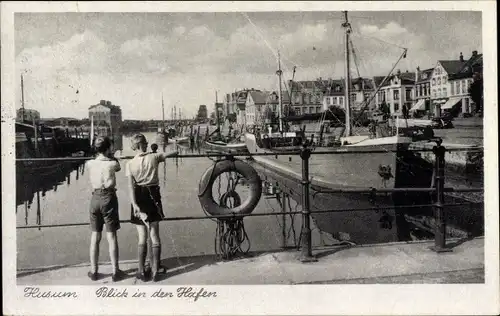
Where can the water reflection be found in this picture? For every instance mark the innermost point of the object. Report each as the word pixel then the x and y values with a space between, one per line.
pixel 379 226
pixel 35 179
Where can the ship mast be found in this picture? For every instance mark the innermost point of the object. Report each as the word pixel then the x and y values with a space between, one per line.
pixel 280 101
pixel 217 116
pixel 347 27
pixel 22 99
pixel 162 114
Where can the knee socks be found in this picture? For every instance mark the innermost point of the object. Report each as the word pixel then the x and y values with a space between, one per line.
pixel 141 256
pixel 155 266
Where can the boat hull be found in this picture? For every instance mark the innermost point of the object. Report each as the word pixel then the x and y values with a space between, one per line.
pixel 237 147
pixel 400 169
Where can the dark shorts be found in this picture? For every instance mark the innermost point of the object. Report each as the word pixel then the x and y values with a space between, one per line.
pixel 149 200
pixel 104 210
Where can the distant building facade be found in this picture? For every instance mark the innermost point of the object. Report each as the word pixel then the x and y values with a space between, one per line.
pixel 28 115
pixel 422 102
pixel 397 91
pixel 234 103
pixel 106 114
pixel 307 96
pixel 459 101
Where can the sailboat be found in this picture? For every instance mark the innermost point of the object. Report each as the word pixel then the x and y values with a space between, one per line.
pixel 218 143
pixel 162 137
pixel 348 165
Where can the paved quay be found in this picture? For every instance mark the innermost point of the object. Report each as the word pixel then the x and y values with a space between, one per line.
pixel 398 263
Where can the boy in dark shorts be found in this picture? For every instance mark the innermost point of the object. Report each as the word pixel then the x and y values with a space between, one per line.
pixel 104 206
pixel 147 210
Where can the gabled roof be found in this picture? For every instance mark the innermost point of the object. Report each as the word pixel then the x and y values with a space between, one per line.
pixel 407 78
pixel 451 66
pixel 474 61
pixel 427 72
pixel 377 80
pixel 259 97
pixel 474 64
pixel 266 97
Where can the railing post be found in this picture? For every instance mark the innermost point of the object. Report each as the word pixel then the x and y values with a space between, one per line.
pixel 440 224
pixel 306 255
pixel 283 220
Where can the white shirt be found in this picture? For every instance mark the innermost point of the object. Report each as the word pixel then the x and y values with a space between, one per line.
pixel 102 172
pixel 143 168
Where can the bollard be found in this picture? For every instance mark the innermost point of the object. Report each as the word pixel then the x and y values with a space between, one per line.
pixel 306 255
pixel 440 228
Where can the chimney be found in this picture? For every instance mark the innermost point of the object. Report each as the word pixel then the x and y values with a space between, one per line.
pixel 108 102
pixel 103 102
pixel 462 56
pixel 417 73
pixel 398 72
pixel 474 53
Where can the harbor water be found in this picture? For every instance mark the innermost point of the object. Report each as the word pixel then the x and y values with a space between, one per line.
pixel 60 194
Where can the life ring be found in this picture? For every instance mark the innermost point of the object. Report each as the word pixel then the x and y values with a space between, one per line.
pixel 230 165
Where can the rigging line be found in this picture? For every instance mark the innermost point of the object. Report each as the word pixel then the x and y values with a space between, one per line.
pixel 260 33
pixel 355 58
pixel 377 39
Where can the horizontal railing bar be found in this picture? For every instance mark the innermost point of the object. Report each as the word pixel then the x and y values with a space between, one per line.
pixel 394 207
pixel 222 155
pixel 183 218
pixel 393 190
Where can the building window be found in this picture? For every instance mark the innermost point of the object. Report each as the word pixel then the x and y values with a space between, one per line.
pixel 318 109
pixel 396 94
pixel 452 89
pixel 433 93
pixel 439 81
pixel 396 107
pixel 433 81
pixel 460 87
pixel 297 110
pixel 439 93
pixel 334 100
pixel 305 110
pixel 444 79
pixel 341 101
pixel 408 94
pixel 311 109
pixel 444 92
pixel 428 89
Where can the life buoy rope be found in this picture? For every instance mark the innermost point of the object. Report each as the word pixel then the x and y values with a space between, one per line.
pixel 252 178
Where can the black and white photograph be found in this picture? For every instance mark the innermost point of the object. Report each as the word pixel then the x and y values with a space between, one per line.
pixel 175 154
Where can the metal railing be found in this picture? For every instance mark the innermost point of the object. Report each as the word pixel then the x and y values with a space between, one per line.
pixel 305 154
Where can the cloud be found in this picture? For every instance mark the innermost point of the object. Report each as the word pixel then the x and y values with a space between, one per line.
pixel 189 62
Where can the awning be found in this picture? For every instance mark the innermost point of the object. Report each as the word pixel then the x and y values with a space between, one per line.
pixel 450 103
pixel 420 105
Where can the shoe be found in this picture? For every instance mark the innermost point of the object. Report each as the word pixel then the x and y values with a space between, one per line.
pixel 92 276
pixel 118 276
pixel 156 277
pixel 142 276
pixel 147 272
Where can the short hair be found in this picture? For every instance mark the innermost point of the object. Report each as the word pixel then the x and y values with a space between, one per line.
pixel 136 140
pixel 154 147
pixel 102 144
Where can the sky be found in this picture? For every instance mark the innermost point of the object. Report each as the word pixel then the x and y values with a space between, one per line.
pixel 70 61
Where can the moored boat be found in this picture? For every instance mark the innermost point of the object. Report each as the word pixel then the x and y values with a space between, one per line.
pixel 356 162
pixel 223 146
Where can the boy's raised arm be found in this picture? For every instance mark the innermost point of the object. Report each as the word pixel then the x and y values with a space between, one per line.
pixel 163 156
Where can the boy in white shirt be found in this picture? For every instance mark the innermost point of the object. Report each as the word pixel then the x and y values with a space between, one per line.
pixel 145 196
pixel 104 206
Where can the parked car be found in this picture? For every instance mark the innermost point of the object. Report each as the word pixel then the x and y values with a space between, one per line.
pixel 441 122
